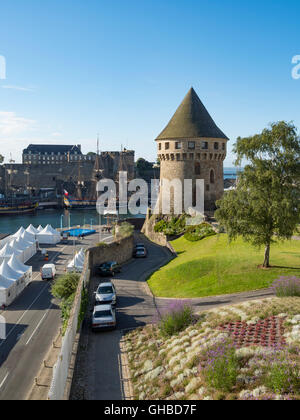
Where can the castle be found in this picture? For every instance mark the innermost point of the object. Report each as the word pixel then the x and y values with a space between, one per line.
pixel 193 147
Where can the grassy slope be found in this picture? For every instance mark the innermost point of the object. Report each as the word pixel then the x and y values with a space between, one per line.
pixel 214 267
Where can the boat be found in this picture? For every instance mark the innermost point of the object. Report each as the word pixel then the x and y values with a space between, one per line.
pixel 8 209
pixel 75 203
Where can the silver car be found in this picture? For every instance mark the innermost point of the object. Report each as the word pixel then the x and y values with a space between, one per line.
pixel 106 294
pixel 104 318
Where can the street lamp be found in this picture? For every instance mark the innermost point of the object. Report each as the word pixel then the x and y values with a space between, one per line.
pixel 92 220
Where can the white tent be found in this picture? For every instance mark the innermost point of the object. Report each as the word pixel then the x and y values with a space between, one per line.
pixel 18 233
pixel 47 236
pixel 76 264
pixel 7 251
pixel 8 273
pixel 32 241
pixel 26 247
pixel 31 229
pixel 15 245
pixel 7 291
pixel 29 237
pixel 21 268
pixel 40 228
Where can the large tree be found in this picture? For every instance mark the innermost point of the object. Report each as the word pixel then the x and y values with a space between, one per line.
pixel 265 207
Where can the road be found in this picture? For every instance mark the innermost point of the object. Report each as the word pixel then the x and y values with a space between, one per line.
pixel 98 370
pixel 32 323
pixel 97 374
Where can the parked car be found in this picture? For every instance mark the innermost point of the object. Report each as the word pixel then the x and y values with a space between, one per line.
pixel 48 272
pixel 106 294
pixel 104 317
pixel 108 269
pixel 140 253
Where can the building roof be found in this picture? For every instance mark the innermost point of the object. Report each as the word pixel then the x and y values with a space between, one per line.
pixel 47 148
pixel 191 120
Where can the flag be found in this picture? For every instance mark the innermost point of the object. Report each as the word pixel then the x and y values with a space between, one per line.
pixel 66 193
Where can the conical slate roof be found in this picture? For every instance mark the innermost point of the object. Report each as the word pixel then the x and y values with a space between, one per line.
pixel 191 120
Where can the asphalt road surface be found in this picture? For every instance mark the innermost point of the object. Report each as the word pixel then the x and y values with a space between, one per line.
pixel 98 370
pixel 32 323
pixel 98 374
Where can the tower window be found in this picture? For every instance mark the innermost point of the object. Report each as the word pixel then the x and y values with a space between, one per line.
pixel 197 168
pixel 207 187
pixel 204 145
pixel 167 146
pixel 223 146
pixel 192 156
pixel 216 146
pixel 212 176
pixel 159 146
pixel 191 145
pixel 178 145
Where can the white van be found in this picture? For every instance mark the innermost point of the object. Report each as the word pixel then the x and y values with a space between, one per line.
pixel 48 272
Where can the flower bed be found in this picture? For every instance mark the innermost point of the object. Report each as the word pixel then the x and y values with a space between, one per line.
pixel 249 351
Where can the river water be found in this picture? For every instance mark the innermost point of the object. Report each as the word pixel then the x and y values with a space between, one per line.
pixel 56 218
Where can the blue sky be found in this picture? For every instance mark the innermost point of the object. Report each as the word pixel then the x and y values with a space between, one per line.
pixel 121 68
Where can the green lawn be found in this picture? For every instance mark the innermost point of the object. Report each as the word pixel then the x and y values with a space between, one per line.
pixel 215 267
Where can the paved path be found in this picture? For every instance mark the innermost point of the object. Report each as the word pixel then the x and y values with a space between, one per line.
pixel 98 371
pixel 32 323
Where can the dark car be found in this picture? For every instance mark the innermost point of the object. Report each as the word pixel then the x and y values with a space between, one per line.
pixel 107 269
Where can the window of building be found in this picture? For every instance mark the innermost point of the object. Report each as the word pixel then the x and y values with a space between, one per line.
pixel 216 146
pixel 191 145
pixel 159 146
pixel 223 146
pixel 191 156
pixel 167 146
pixel 178 145
pixel 207 187
pixel 204 145
pixel 184 156
pixel 197 168
pixel 212 176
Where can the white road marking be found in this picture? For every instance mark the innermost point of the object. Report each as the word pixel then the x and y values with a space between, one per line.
pixel 4 380
pixel 39 324
pixel 24 313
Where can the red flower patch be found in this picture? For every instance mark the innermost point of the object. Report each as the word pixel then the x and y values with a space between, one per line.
pixel 266 333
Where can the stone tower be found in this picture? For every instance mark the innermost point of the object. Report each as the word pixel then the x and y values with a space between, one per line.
pixel 193 147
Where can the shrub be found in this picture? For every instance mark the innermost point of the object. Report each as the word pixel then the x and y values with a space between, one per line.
pixel 284 376
pixel 173 227
pixel 287 286
pixel 65 286
pixel 177 317
pixel 221 366
pixel 123 230
pixel 199 232
pixel 101 245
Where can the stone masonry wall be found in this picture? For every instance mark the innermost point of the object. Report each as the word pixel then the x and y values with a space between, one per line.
pixel 120 252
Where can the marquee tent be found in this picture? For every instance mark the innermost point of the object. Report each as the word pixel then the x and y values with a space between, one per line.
pixel 8 273
pixel 76 264
pixel 47 236
pixel 7 291
pixel 28 248
pixel 21 268
pixel 15 245
pixel 18 233
pixel 7 251
pixel 40 228
pixel 31 229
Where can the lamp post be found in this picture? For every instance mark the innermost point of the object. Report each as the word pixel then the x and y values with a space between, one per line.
pixel 61 221
pixel 92 220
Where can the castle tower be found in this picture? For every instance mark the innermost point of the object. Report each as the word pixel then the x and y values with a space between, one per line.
pixel 193 147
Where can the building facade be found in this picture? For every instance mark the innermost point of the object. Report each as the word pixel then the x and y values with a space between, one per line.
pixel 193 147
pixel 50 154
